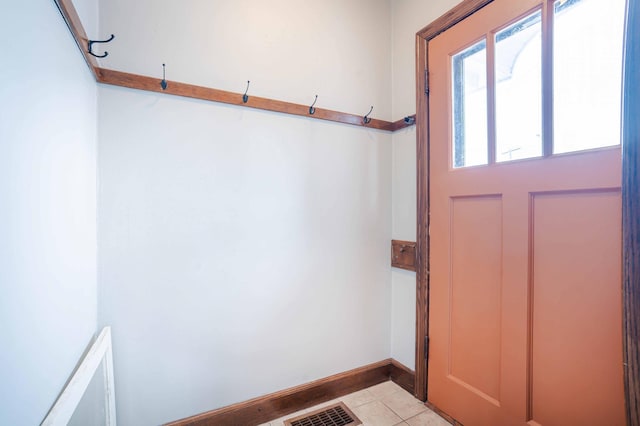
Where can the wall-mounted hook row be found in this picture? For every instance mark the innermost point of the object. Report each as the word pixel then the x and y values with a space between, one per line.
pixel 245 97
pixel 312 109
pixel 141 82
pixel 92 42
pixel 366 119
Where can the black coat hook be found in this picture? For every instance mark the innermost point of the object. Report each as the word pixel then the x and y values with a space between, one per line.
pixel 366 118
pixel 90 47
pixel 245 97
pixel 312 110
pixel 163 83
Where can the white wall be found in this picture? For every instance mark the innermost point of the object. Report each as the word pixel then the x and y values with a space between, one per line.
pixel 242 252
pixel 408 17
pixel 47 207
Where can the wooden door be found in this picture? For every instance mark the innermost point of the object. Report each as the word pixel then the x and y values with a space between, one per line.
pixel 525 232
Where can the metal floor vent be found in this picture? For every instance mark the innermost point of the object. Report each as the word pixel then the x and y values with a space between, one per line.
pixel 335 415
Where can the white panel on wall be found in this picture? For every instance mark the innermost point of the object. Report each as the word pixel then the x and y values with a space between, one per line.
pixel 47 208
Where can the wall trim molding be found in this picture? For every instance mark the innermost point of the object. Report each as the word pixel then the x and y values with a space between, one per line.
pixel 72 19
pixel 402 376
pixel 150 84
pixel 268 407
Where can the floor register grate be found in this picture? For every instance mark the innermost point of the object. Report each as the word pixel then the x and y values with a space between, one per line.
pixel 336 415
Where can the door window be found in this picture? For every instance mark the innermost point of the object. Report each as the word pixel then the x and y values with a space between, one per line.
pixel 499 85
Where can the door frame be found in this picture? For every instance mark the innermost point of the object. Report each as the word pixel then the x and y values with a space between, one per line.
pixel 630 207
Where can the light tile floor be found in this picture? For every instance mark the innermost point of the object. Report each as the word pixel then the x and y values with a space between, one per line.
pixel 386 404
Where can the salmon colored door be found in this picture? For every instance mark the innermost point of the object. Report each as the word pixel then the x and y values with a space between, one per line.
pixel 525 216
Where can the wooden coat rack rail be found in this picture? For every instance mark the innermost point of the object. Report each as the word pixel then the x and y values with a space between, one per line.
pixel 150 84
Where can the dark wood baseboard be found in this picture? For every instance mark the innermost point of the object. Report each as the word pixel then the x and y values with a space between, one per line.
pixel 403 376
pixel 262 409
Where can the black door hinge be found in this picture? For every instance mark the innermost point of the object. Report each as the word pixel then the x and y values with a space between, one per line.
pixel 426 82
pixel 426 347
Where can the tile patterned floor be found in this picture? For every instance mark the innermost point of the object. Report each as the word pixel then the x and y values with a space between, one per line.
pixel 386 404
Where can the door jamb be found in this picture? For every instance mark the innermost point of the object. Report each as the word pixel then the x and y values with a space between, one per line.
pixel 631 216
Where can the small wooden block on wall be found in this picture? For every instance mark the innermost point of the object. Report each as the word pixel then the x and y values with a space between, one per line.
pixel 403 254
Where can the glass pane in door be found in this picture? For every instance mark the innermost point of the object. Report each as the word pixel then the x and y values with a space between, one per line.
pixel 469 101
pixel 587 56
pixel 518 79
